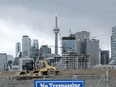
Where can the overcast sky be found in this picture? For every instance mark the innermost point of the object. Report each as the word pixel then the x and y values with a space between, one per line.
pixel 36 18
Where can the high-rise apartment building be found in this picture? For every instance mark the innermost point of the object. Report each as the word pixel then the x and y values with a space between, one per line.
pixel 26 45
pixel 89 47
pixel 86 46
pixel 113 43
pixel 113 46
pixel 104 56
pixel 68 44
pixel 81 38
pixel 92 49
pixel 18 49
pixel 45 50
pixel 35 43
pixel 81 46
pixel 33 53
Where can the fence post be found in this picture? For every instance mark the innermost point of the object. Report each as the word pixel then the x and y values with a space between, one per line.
pixel 104 82
pixel 44 78
pixel 73 77
pixel 11 80
pixel 7 82
pixel 107 76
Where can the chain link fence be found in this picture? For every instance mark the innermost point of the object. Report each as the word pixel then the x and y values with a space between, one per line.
pixel 112 82
pixel 4 81
pixel 28 81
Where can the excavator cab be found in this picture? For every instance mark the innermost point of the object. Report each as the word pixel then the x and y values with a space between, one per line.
pixel 30 66
pixel 47 69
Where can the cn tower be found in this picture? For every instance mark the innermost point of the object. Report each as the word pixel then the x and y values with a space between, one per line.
pixel 56 31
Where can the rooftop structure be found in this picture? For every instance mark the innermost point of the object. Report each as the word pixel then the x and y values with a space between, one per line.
pixel 82 35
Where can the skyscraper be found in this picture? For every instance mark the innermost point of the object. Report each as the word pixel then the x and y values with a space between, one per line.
pixel 68 44
pixel 35 43
pixel 26 45
pixel 18 49
pixel 86 46
pixel 113 46
pixel 81 38
pixel 56 31
pixel 92 49
pixel 113 43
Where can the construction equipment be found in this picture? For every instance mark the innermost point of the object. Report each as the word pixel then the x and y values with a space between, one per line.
pixel 42 69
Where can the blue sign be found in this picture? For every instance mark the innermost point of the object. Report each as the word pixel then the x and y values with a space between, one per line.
pixel 112 68
pixel 59 83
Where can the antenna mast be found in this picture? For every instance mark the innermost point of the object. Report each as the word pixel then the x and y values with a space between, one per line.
pixel 70 28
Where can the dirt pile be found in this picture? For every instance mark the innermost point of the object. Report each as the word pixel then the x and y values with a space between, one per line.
pixel 83 72
pixel 112 73
pixel 8 73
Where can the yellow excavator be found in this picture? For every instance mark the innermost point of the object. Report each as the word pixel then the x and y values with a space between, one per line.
pixel 42 69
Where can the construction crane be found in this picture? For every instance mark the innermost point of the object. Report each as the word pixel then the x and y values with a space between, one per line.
pixel 42 42
pixel 61 47
pixel 101 35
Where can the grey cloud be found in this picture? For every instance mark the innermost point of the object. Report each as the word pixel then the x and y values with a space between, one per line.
pixel 95 16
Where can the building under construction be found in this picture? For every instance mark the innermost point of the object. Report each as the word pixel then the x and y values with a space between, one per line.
pixel 75 61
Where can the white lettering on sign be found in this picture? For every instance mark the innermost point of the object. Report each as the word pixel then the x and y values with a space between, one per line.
pixel 42 85
pixel 60 85
pixel 50 84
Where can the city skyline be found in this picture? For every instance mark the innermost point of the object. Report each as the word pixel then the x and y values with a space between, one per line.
pixel 37 21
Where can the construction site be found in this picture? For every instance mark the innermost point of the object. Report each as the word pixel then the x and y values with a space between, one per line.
pixel 74 60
